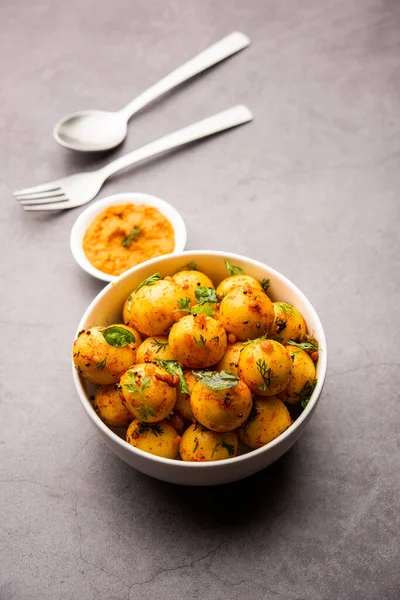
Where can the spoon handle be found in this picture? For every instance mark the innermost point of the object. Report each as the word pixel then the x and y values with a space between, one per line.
pixel 214 54
pixel 224 120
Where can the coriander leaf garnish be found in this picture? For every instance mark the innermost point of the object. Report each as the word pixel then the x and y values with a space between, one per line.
pixel 265 283
pixel 305 346
pixel 145 427
pixel 118 336
pixel 202 310
pixel 266 374
pixel 202 342
pixel 233 269
pixel 159 345
pixel 191 266
pixel 286 308
pixel 132 236
pixel 149 281
pixel 184 304
pixel 206 294
pixel 196 445
pixel 101 364
pixel 145 410
pixel 306 392
pixel 259 339
pixel 134 387
pixel 229 447
pixel 216 380
pixel 174 368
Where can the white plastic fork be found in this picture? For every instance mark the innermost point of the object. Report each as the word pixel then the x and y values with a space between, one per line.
pixel 81 188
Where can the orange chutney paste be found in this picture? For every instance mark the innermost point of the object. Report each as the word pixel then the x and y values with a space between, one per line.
pixel 123 236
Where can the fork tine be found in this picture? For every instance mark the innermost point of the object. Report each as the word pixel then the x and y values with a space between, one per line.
pixel 39 195
pixel 43 207
pixel 46 200
pixel 45 187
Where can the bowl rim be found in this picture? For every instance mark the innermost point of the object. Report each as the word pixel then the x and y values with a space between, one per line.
pixel 87 216
pixel 226 461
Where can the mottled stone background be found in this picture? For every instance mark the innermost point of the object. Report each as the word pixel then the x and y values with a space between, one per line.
pixel 312 188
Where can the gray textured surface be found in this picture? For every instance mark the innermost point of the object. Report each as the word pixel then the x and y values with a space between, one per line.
pixel 312 188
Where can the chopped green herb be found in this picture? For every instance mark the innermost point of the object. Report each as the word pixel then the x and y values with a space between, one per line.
pixel 184 304
pixel 132 385
pixel 217 380
pixel 196 445
pixel 191 266
pixel 145 411
pixel 202 342
pixel 265 283
pixel 252 416
pixel 266 374
pixel 229 447
pixel 286 308
pixel 206 294
pixel 174 368
pixel 101 364
pixel 233 269
pixel 306 392
pixel 202 310
pixel 305 346
pixel 155 429
pixel 159 345
pixel 259 339
pixel 149 281
pixel 132 236
pixel 118 336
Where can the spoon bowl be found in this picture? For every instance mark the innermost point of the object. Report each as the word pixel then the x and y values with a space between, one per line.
pixel 91 130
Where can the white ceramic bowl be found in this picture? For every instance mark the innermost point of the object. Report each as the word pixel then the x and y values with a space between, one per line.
pixel 88 215
pixel 108 304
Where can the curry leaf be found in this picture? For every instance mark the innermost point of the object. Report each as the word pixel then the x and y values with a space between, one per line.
pixel 118 336
pixel 216 380
pixel 174 368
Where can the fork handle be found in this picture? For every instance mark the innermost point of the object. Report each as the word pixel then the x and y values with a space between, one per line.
pixel 224 120
pixel 214 54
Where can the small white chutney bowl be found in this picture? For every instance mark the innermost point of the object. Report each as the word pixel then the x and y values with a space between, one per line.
pixel 89 214
pixel 107 307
